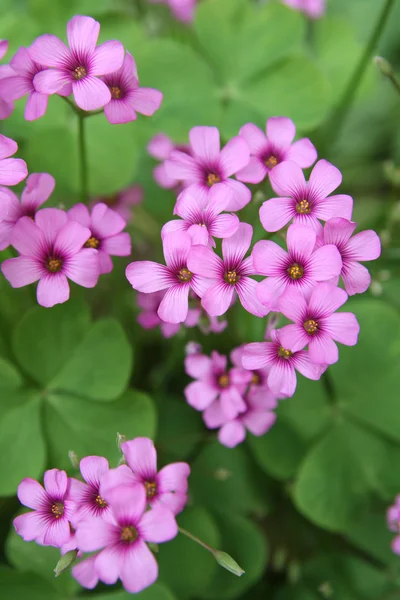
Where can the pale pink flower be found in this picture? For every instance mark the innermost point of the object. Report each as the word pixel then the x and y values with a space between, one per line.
pixel 86 495
pixel 148 277
pixel 304 202
pixel 209 166
pixel 48 524
pixel 6 106
pixel 12 170
pixel 182 10
pixel 106 235
pixel 75 69
pixel 3 48
pixel 160 147
pixel 270 149
pixel 301 267
pixel 201 216
pixel 85 572
pixel 122 202
pixel 393 522
pixel 283 364
pixel 149 319
pixel 38 189
pixel 363 246
pixel 312 8
pixel 229 275
pixel 124 553
pixel 127 98
pixel 51 251
pixel 317 324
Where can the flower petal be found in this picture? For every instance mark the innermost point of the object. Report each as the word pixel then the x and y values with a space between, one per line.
pixel 52 289
pixel 338 231
pixel 118 245
pixel 48 50
pixel 57 533
pixel 139 568
pixel 324 179
pixel 340 205
pixel 176 248
pixel 108 564
pixel 160 146
pixel 203 261
pixel 324 263
pixel 51 221
pixel 224 226
pixel 141 457
pixel 146 100
pixel 173 477
pixel 323 350
pixel 82 34
pixel 231 434
pixel 198 366
pixel 235 247
pixel 280 131
pixel 80 213
pixel 255 138
pixel 269 291
pixel 246 290
pixel 343 327
pixel 15 87
pixel 269 258
pixel 71 238
pixel 326 299
pixel 91 93
pixel 302 152
pixel 277 212
pixel 83 268
pixel 182 167
pixel 158 525
pixel 254 172
pixel 287 179
pixel 12 171
pixel 105 221
pixel 93 468
pixel 28 238
pixel 365 245
pixel 241 195
pixel 107 57
pixel 293 305
pixel 127 502
pixel 200 394
pixel 282 378
pixel 234 156
pixel 257 355
pixel 38 189
pixel 301 361
pixel 29 526
pixel 31 493
pixel 174 306
pixel 356 278
pixel 259 422
pixel 217 299
pixel 147 276
pixel 300 241
pixel 119 111
pixel 85 573
pixel 294 337
pixel 94 533
pixel 50 81
pixel 22 271
pixel 205 143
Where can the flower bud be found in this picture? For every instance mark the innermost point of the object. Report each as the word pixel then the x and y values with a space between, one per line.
pixel 121 438
pixel 227 562
pixel 74 459
pixel 65 562
pixel 384 66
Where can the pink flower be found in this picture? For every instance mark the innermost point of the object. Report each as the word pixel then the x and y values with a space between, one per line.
pixel 216 391
pixel 269 150
pixel 105 226
pixel 51 250
pixel 124 554
pixel 209 165
pixel 229 275
pixel 85 572
pixel 38 189
pixel 182 10
pixel 122 202
pixel 20 83
pixel 86 496
pixel 3 48
pixel 393 521
pixel 300 268
pixel 283 363
pixel 365 245
pixel 127 98
pixel 149 319
pixel 160 147
pixel 312 8
pixel 75 68
pixel 201 216
pixel 12 170
pixel 148 277
pixel 48 524
pixel 167 488
pixel 316 323
pixel 304 202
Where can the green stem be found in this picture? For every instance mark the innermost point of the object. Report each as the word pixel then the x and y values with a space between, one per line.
pixel 196 539
pixel 329 386
pixel 83 159
pixel 395 82
pixel 339 115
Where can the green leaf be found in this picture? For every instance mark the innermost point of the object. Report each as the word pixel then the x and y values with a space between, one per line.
pixel 44 339
pixel 19 586
pixel 10 379
pixel 90 428
pixel 155 592
pixel 248 546
pixel 369 532
pixel 180 428
pixel 186 567
pixel 226 479
pixel 100 367
pixel 22 448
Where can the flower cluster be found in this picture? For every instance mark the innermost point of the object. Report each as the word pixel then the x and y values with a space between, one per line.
pixel 113 513
pixel 99 76
pixel 300 283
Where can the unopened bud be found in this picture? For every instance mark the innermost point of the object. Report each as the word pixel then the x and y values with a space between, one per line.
pixel 120 440
pixel 384 66
pixel 74 459
pixel 65 562
pixel 228 563
pixel 153 547
pixel 192 348
pixel 326 589
pixel 222 474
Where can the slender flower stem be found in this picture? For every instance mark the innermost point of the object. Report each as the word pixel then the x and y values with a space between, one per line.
pixel 339 115
pixel 222 558
pixel 83 159
pixel 196 539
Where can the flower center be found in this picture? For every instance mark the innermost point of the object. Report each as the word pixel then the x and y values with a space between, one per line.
pixel 255 380
pixel 185 275
pixel 79 73
pixel 57 509
pixel 295 271
pixel 115 92
pixel 311 326
pixel 92 243
pixel 212 178
pixel 223 380
pixel 54 264
pixel 271 161
pixel 129 534
pixel 283 353
pixel 101 503
pixel 303 207
pixel 231 277
pixel 151 488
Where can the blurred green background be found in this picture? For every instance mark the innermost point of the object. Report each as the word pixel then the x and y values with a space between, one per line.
pixel 302 509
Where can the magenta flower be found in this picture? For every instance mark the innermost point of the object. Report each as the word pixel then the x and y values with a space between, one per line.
pixel 3 48
pixel 160 147
pixel 182 10
pixel 269 150
pixel 217 390
pixel 48 524
pixel 149 319
pixel 312 8
pixel 20 83
pixel 208 165
pixel 304 202
pixel 122 202
pixel 365 245
pixel 317 324
pixel 51 251
pixel 38 189
pixel 167 488
pixel 124 553
pixel 127 98
pixel 6 106
pixel 229 275
pixel 106 234
pixel 300 268
pixel 148 277
pixel 284 364
pixel 201 216
pixel 86 496
pixel 12 170
pixel 85 572
pixel 74 69
pixel 393 521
